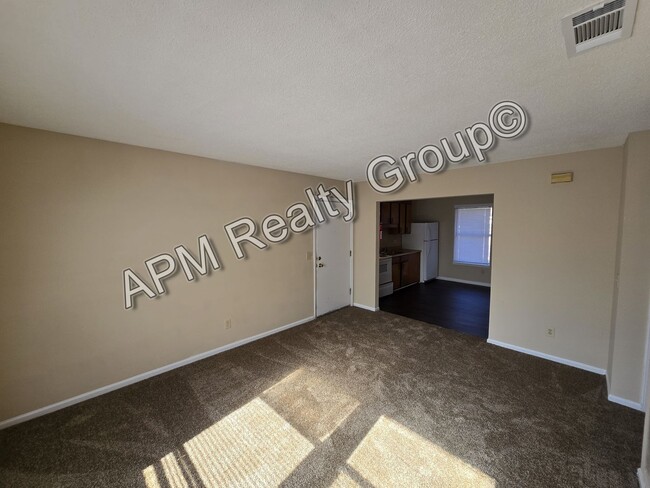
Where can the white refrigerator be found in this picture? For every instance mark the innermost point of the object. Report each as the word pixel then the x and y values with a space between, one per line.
pixel 424 237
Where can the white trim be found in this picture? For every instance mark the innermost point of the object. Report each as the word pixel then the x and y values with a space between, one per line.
pixel 444 278
pixel 624 402
pixel 314 262
pixel 475 265
pixel 143 376
pixel 352 263
pixel 376 255
pixel 366 307
pixel 568 362
pixel 643 479
pixel 646 367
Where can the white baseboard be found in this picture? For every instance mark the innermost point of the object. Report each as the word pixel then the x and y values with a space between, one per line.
pixel 568 362
pixel 366 307
pixel 479 283
pixel 625 402
pixel 643 478
pixel 143 376
pixel 575 364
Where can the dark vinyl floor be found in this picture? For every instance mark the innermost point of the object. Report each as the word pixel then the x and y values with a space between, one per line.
pixel 458 306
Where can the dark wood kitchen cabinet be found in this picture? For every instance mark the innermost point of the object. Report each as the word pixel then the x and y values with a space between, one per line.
pixel 406 214
pixel 397 272
pixel 406 270
pixel 384 214
pixel 411 269
pixel 395 217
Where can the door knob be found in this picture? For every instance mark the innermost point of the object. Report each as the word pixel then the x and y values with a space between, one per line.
pixel 321 265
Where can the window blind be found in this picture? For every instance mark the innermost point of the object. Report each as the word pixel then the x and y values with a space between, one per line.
pixel 473 235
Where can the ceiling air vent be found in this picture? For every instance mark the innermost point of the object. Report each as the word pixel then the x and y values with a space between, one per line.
pixel 599 24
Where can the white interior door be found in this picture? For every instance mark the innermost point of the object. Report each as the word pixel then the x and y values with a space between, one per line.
pixel 332 259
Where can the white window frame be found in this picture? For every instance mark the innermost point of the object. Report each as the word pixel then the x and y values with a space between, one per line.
pixel 474 205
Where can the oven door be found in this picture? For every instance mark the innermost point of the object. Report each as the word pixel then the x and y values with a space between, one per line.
pixel 385 270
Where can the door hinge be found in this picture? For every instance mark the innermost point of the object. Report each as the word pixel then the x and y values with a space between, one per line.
pixel 350 253
pixel 350 291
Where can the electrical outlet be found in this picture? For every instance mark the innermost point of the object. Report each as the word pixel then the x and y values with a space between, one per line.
pixel 550 332
pixel 228 323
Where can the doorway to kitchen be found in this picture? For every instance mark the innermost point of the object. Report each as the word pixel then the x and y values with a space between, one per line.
pixel 435 261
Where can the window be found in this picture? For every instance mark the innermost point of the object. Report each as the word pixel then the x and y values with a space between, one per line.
pixel 473 235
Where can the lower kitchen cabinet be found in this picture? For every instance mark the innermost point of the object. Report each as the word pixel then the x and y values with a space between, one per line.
pixel 406 270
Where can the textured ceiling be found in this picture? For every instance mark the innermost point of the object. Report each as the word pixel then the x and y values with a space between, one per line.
pixel 311 86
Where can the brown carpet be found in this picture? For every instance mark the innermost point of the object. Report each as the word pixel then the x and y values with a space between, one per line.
pixel 352 399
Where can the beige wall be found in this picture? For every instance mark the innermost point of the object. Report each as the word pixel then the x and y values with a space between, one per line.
pixel 630 319
pixel 443 210
pixel 75 212
pixel 553 252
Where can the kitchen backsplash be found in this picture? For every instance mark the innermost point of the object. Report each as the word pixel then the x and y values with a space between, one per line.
pixel 390 240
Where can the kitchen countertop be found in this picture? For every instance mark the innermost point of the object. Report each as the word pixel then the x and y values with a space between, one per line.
pixel 402 252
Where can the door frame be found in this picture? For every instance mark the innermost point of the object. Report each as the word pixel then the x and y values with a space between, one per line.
pixel 646 371
pixel 314 264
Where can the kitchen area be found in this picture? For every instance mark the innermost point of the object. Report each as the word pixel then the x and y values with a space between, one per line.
pixel 408 252
pixel 420 238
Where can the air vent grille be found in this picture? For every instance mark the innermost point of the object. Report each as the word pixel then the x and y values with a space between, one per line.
pixel 608 8
pixel 598 22
pixel 602 23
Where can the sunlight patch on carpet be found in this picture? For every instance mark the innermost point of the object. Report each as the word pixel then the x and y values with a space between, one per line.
pixel 312 405
pixel 344 480
pixel 262 442
pixel 150 477
pixel 173 472
pixel 253 446
pixel 393 455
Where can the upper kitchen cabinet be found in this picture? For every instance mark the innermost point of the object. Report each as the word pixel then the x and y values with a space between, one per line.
pixel 395 217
